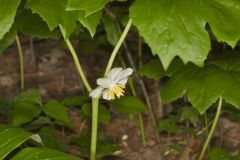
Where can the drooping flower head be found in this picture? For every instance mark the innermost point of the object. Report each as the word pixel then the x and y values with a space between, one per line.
pixel 112 85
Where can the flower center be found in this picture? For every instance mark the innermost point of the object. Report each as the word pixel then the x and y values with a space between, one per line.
pixel 115 90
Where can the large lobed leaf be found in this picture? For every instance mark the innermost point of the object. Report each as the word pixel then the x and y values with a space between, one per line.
pixel 53 12
pixel 91 21
pixel 8 9
pixel 177 27
pixel 8 39
pixel 218 78
pixel 89 6
pixel 32 24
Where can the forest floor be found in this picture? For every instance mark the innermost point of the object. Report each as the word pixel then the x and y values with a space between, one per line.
pixel 50 68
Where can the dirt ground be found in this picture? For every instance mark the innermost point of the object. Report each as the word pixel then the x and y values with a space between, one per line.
pixel 50 68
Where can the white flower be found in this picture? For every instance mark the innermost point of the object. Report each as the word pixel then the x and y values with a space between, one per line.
pixel 113 84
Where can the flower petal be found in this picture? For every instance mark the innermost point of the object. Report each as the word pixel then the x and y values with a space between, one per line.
pixel 96 92
pixel 123 81
pixel 105 96
pixel 124 74
pixel 104 82
pixel 113 73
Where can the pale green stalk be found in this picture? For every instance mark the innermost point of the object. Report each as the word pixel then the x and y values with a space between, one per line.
pixel 206 123
pixel 118 45
pixel 95 102
pixel 94 129
pixel 212 129
pixel 20 52
pixel 77 62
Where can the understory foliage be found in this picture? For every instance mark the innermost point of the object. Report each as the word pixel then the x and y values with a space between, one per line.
pixel 181 33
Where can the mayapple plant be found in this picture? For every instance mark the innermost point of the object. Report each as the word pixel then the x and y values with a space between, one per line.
pixel 175 28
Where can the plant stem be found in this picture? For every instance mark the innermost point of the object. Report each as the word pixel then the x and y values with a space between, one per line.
pixel 206 124
pixel 118 45
pixel 212 129
pixel 96 101
pixel 141 124
pixel 94 128
pixel 20 52
pixel 139 51
pixel 77 62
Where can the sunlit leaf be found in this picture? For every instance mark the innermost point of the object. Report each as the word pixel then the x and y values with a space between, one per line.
pixel 53 12
pixel 8 10
pixel 8 39
pixel 171 28
pixel 89 6
pixel 91 21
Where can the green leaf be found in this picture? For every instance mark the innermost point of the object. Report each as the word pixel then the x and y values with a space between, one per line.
pixel 75 100
pixel 190 114
pixel 43 154
pixel 168 125
pixel 11 138
pixel 91 21
pixel 153 69
pixel 104 114
pixel 53 12
pixel 50 141
pixel 218 153
pixel 171 31
pixel 41 120
pixel 129 104
pixel 33 25
pixel 24 112
pixel 89 6
pixel 31 96
pixel 8 39
pixel 58 111
pixel 8 11
pixel 223 17
pixel 5 108
pixel 205 85
pixel 105 145
pixel 111 30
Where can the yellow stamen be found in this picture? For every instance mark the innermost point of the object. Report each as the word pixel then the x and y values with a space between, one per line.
pixel 116 90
